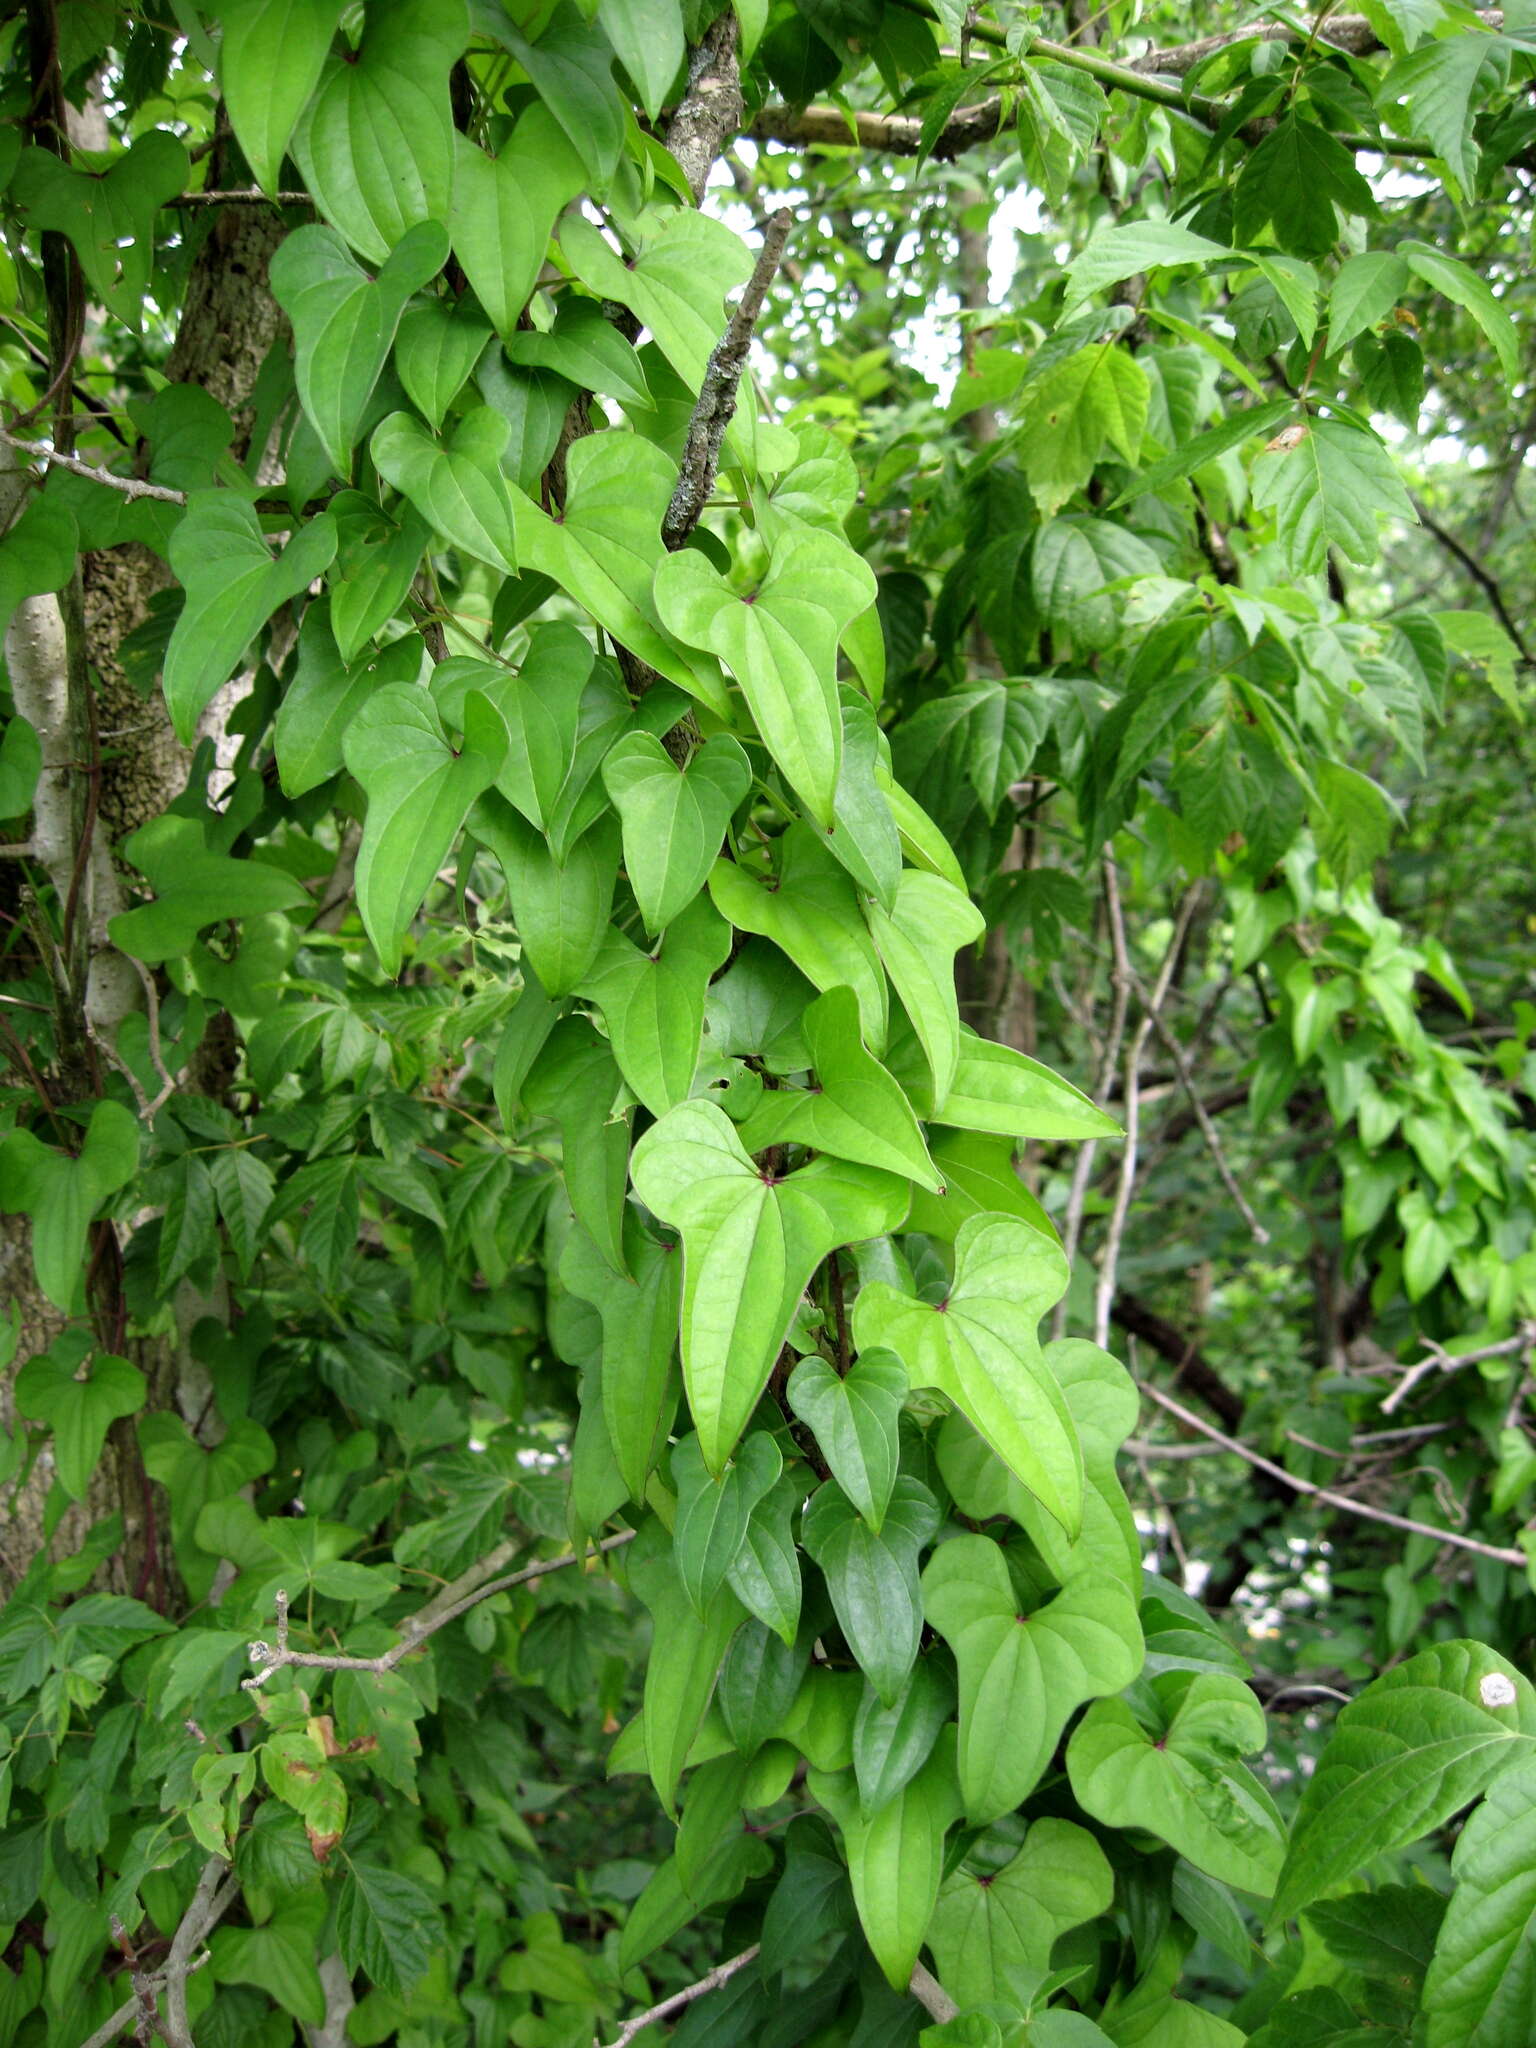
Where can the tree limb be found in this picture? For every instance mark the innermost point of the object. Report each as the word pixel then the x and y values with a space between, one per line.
pixel 217 1890
pixel 716 402
pixel 1325 1494
pixel 710 111
pixel 1483 578
pixel 130 486
pixel 415 1629
pixel 721 1974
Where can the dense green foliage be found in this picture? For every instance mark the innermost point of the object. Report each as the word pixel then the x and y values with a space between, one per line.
pixel 615 981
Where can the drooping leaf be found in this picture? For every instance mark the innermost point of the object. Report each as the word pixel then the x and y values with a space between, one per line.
pixel 1329 485
pixel 674 817
pixel 457 485
pixel 419 791
pixel 855 1421
pixel 712 1512
pixel 78 1412
pixel 505 208
pixel 326 694
pixel 1022 1674
pixel 233 586
pixel 685 1658
pixel 375 143
pixel 872 1577
pixel 653 1003
pixel 61 1193
pixel 749 1247
pixel 344 322
pixel 981 1348
pixel 639 1312
pixel 271 54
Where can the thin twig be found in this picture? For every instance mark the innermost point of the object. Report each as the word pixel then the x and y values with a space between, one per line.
pixel 1207 1129
pixel 415 1629
pixel 242 196
pixel 1323 1493
pixel 721 1974
pixel 716 402
pixel 217 1890
pixel 130 486
pixel 1441 1360
pixel 156 1052
pixel 1082 1171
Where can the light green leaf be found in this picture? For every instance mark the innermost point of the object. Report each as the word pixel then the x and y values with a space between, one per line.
pixel 749 1248
pixel 439 343
pixel 647 37
pixel 62 1193
pixel 984 1930
pixel 606 548
pixel 653 1003
pixel 1114 253
pixel 1022 1675
pixel 872 1578
pixel 1406 1754
pixel 37 554
pixel 375 143
pixel 1186 1783
pixel 271 54
pixel 586 350
pixel 419 791
pixel 810 910
pixel 1329 485
pixel 560 907
pixel 1481 1987
pixel 325 696
pixel 79 1412
pixel 917 941
pixel 639 1314
pixel 712 1513
pixel 1104 1404
pixel 981 1347
pixel 854 1420
pixel 577 1083
pixel 505 208
pixel 344 322
pixel 854 1109
pixel 193 888
pixel 680 1674
pixel 233 587
pixel 1000 1091
pixel 1437 83
pixel 896 1859
pixel 978 1174
pixel 376 558
pixel 1455 281
pixel 1366 289
pixel 1093 400
pixel 108 216
pixel 674 818
pixel 780 643
pixel 676 286
pixel 571 66
pixel 458 485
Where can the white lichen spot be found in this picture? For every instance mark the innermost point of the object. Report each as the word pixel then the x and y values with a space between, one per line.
pixel 1496 1690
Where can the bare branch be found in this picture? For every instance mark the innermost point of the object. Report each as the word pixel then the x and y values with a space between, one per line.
pixel 929 1992
pixel 415 1629
pixel 721 1974
pixel 716 402
pixel 1352 33
pixel 1325 1494
pixel 217 1890
pixel 130 486
pixel 1207 1129
pixel 242 196
pixel 1443 1361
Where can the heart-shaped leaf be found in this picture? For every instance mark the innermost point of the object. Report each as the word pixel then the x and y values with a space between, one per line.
pixel 571 66
pixel 560 907
pixel 979 1174
pixel 419 790
pixel 325 696
pixel 108 215
pixel 674 818
pixel 896 1858
pixel 78 1411
pixel 1022 1674
pixel 872 1578
pixel 1406 1754
pixel 810 910
pixel 758 1683
pixel 375 143
pixel 712 1513
pixel 344 322
pixel 639 1314
pixel 193 887
pixel 458 485
pixel 780 643
pixel 605 548
pixel 981 1347
pixel 988 1931
pixel 377 553
pixel 676 286
pixel 61 1193
pixel 855 1421
pixel 653 1003
pixel 765 1572
pixel 892 1743
pixel 1185 1782
pixel 233 587
pixel 37 554
pixel 854 1109
pixel 438 346
pixel 998 1090
pixel 917 941
pixel 271 54
pixel 587 351
pixel 505 208
pixel 750 1245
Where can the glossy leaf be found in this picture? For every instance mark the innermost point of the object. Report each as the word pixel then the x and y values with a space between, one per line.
pixel 981 1348
pixel 855 1421
pixel 987 1934
pixel 458 485
pixel 1023 1673
pixel 653 1003
pixel 271 54
pixel 504 210
pixel 872 1577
